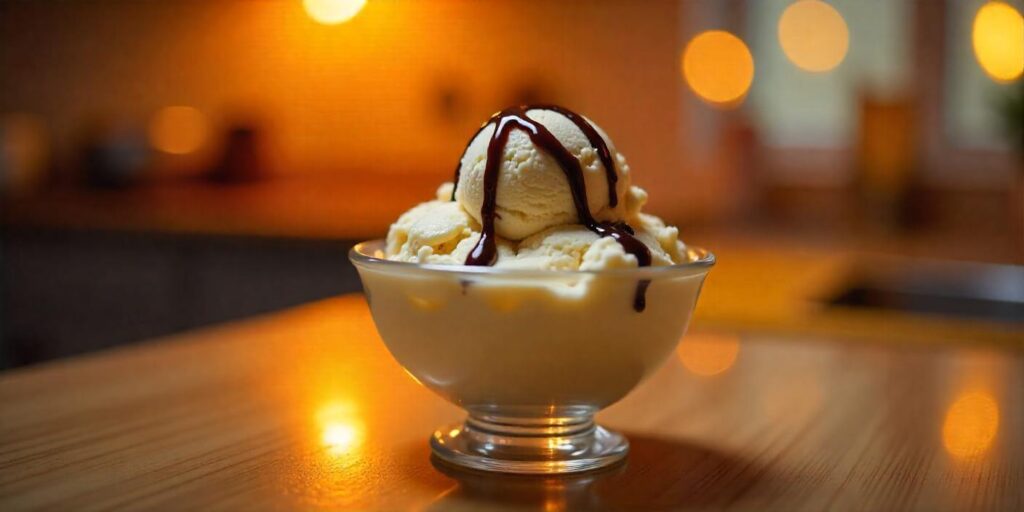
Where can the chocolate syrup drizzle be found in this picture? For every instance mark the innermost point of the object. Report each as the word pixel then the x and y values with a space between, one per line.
pixel 485 251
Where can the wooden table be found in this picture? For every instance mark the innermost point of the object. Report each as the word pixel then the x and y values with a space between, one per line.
pixel 306 410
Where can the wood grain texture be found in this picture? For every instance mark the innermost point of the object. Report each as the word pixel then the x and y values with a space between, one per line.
pixel 306 410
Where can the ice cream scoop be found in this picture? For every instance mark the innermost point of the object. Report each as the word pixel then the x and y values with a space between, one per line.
pixel 533 192
pixel 538 187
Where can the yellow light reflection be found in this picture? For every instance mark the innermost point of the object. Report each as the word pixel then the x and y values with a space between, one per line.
pixel 708 354
pixel 339 436
pixel 998 38
pixel 555 503
pixel 813 35
pixel 971 424
pixel 333 12
pixel 178 130
pixel 718 67
pixel 341 430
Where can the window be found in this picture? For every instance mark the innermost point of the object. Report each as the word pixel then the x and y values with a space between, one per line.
pixel 796 108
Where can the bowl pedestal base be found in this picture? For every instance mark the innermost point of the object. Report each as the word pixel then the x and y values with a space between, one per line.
pixel 540 446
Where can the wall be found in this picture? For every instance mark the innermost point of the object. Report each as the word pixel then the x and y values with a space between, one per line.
pixel 396 90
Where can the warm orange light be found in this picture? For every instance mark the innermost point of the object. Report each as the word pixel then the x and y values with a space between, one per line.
pixel 813 35
pixel 178 130
pixel 971 424
pixel 555 503
pixel 333 12
pixel 339 436
pixel 718 67
pixel 708 354
pixel 341 432
pixel 998 37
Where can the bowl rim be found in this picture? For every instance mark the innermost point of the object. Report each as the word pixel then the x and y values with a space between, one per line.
pixel 362 254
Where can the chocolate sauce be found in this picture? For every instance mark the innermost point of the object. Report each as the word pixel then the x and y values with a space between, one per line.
pixel 596 140
pixel 485 251
pixel 640 297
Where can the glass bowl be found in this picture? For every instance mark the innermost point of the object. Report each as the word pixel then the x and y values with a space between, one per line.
pixel 531 355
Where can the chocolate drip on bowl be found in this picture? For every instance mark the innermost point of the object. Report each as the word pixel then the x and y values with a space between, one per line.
pixel 485 251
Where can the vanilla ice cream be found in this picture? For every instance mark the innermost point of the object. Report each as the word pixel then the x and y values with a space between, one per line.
pixel 536 221
pixel 533 192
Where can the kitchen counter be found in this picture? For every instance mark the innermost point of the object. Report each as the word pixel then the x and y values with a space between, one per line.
pixel 303 208
pixel 760 286
pixel 358 206
pixel 305 409
pixel 173 255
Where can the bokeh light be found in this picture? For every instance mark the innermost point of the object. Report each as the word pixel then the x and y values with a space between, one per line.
pixel 333 12
pixel 707 354
pixel 339 436
pixel 971 424
pixel 341 431
pixel 178 130
pixel 718 67
pixel 813 35
pixel 998 37
pixel 24 152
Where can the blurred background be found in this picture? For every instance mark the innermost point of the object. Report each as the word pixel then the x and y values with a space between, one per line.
pixel 858 165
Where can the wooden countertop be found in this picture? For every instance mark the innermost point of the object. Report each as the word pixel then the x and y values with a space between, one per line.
pixel 775 286
pixel 306 410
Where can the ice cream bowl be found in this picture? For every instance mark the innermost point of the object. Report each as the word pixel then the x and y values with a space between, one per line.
pixel 531 355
